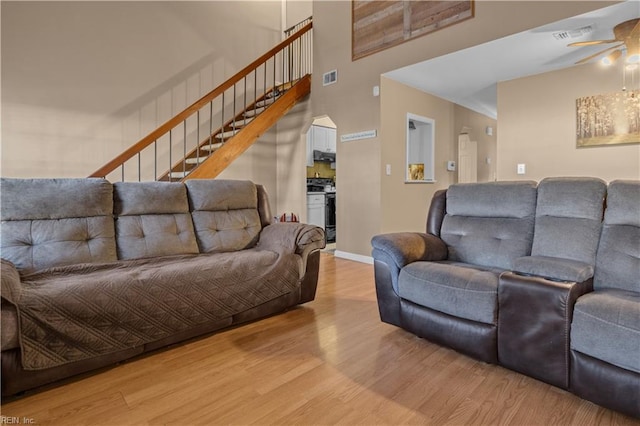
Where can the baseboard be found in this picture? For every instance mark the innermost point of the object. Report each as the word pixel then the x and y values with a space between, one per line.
pixel 352 256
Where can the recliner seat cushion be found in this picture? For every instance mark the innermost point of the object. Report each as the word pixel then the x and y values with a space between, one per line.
pixel 225 214
pixel 606 326
pixel 153 220
pixel 463 291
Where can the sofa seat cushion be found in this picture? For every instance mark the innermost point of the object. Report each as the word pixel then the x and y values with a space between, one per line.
pixel 457 289
pixel 606 326
pixel 79 312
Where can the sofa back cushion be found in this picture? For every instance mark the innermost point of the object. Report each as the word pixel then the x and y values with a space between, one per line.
pixel 489 224
pixel 225 214
pixel 152 219
pixel 56 222
pixel 569 218
pixel 618 257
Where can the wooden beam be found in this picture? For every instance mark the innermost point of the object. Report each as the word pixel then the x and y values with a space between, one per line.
pixel 235 146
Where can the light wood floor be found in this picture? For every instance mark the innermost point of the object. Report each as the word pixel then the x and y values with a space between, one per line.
pixel 330 361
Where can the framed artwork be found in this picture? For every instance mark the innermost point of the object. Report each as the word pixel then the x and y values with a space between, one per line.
pixel 378 25
pixel 416 171
pixel 609 119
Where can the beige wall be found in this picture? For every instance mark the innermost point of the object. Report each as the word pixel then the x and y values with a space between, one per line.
pixel 297 11
pixel 405 205
pixel 292 161
pixel 537 117
pixel 487 144
pixel 353 108
pixel 82 81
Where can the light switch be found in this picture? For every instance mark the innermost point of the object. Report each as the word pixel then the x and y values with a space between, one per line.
pixel 521 169
pixel 388 169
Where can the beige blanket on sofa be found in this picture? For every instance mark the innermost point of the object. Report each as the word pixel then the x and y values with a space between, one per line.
pixel 77 312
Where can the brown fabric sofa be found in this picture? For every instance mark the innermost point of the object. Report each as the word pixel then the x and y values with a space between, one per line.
pixel 94 273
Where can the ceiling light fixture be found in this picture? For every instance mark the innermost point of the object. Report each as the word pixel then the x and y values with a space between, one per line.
pixel 633 59
pixel 611 58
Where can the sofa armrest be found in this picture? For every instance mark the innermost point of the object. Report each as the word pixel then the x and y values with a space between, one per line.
pixel 534 322
pixel 553 268
pixel 10 291
pixel 391 252
pixel 10 280
pixel 408 247
pixel 299 238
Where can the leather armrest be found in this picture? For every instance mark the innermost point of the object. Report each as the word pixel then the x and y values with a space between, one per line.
pixel 553 268
pixel 534 322
pixel 391 252
pixel 408 247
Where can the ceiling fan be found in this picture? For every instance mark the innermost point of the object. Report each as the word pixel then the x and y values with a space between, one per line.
pixel 627 35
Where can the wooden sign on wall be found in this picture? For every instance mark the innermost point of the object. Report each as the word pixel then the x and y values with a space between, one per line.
pixel 378 25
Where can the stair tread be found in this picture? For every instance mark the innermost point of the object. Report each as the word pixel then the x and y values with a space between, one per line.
pixel 178 175
pixel 242 122
pixel 227 134
pixel 196 160
pixel 253 112
pixel 211 147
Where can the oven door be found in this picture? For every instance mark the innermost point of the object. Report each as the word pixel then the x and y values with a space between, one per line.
pixel 330 210
pixel 330 217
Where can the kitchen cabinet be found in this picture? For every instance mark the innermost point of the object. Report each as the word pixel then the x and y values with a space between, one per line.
pixel 315 210
pixel 320 138
pixel 324 138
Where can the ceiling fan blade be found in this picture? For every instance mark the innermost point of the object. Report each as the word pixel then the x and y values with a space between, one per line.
pixel 591 43
pixel 635 32
pixel 595 55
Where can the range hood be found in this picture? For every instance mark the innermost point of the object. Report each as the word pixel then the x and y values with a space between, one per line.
pixel 327 157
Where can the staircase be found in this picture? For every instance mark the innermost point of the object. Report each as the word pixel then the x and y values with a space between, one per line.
pixel 202 140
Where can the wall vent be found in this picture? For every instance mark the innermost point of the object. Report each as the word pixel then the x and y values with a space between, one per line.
pixel 329 77
pixel 578 32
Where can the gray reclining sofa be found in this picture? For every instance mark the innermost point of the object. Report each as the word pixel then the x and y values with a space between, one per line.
pixel 500 268
pixel 95 273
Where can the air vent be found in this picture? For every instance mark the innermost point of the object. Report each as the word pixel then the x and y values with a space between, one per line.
pixel 577 33
pixel 329 77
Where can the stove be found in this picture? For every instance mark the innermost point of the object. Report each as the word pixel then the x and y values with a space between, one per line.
pixel 318 185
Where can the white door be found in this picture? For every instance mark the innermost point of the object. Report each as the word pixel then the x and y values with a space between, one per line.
pixel 467 159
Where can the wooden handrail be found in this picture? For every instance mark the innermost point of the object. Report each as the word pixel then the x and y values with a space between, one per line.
pixel 193 108
pixel 251 132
